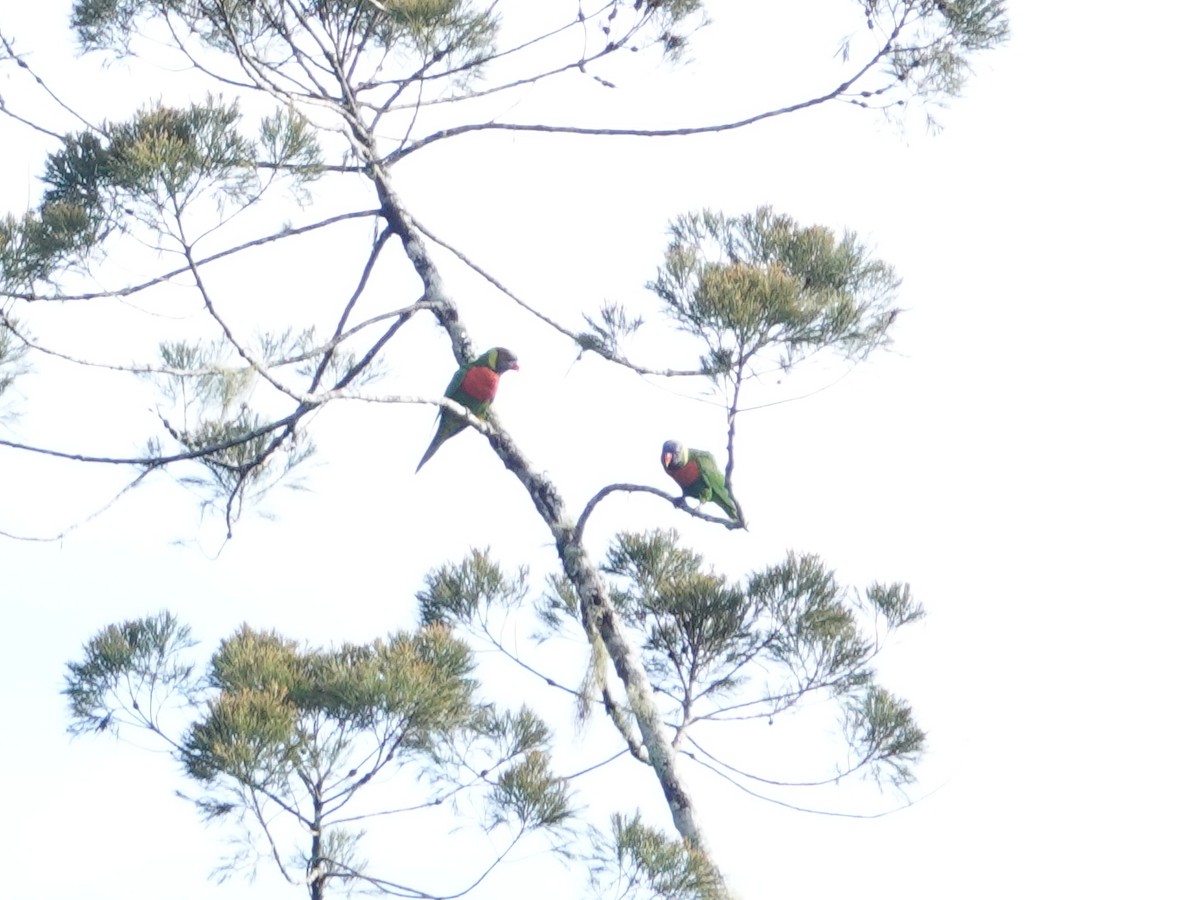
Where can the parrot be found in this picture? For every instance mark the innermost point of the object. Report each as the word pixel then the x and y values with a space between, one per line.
pixel 696 472
pixel 474 386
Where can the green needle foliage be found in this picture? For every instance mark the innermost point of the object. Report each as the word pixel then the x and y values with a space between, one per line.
pixel 149 175
pixel 720 651
pixel 531 793
pixel 238 453
pixel 935 60
pixel 466 592
pixel 130 673
pixel 207 386
pixel 278 732
pixel 760 283
pixel 167 157
pixel 781 640
pixel 400 26
pixel 637 862
pixel 284 712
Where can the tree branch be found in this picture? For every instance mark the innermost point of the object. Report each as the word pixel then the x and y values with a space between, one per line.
pixel 838 91
pixel 833 779
pixel 677 502
pixel 574 336
pixel 792 806
pixel 201 261
pixel 10 50
pixel 80 523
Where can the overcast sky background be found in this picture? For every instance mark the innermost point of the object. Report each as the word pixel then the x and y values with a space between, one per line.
pixel 1025 456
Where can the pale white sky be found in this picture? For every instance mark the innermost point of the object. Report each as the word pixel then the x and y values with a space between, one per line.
pixel 1026 458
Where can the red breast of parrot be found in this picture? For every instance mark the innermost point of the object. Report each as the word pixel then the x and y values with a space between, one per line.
pixel 473 386
pixel 685 475
pixel 479 384
pixel 697 473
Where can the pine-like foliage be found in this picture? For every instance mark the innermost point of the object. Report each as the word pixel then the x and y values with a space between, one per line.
pixel 296 742
pixel 782 637
pixel 781 640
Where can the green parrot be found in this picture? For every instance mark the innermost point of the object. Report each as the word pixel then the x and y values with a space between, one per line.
pixel 696 472
pixel 474 386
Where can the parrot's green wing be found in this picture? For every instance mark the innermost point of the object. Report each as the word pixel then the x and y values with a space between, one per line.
pixel 449 423
pixel 473 386
pixel 455 385
pixel 714 482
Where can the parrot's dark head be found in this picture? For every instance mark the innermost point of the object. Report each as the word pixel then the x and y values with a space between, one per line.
pixel 674 455
pixel 502 359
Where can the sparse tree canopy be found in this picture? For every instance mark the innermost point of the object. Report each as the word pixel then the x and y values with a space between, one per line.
pixel 290 741
pixel 306 97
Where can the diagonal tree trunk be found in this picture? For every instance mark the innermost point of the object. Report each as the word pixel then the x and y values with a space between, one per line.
pixel 596 609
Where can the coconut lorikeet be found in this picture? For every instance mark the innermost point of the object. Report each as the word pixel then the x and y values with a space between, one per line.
pixel 696 472
pixel 474 386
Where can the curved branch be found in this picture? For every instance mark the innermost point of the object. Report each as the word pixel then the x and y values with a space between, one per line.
pixel 399 890
pixel 774 783
pixel 306 405
pixel 785 701
pixel 592 768
pixel 561 329
pixel 7 44
pixel 678 502
pixel 550 682
pixel 326 357
pixel 648 132
pixel 181 45
pixel 478 270
pixel 252 359
pixel 136 369
pixel 792 806
pixel 264 823
pixel 483 61
pixel 29 123
pixel 201 261
pixel 580 64
pixel 403 312
pixel 79 524
pixel 157 461
pixel 436 801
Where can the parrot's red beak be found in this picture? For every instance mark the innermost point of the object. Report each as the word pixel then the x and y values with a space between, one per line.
pixel 514 365
pixel 667 457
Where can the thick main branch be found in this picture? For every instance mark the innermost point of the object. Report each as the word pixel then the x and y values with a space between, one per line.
pixel 596 606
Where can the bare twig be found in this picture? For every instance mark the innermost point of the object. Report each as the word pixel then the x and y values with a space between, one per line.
pixel 838 91
pixel 7 44
pixel 833 779
pixel 376 247
pixel 678 502
pixel 199 262
pixel 574 336
pixel 792 806
pixel 80 523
